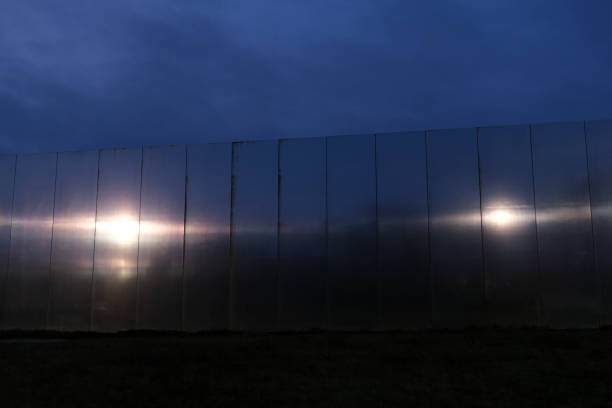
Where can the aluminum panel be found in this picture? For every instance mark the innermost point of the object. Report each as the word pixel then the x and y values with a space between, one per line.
pixel 160 254
pixel 254 266
pixel 302 233
pixel 455 228
pixel 403 270
pixel 116 241
pixel 570 293
pixel 206 280
pixel 25 303
pixel 599 138
pixel 73 241
pixel 509 229
pixel 351 209
pixel 7 179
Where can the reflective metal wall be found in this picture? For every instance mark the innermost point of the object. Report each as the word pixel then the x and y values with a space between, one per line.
pixel 254 232
pixel 351 211
pixel 508 225
pixel 7 178
pixel 599 138
pixel 73 241
pixel 116 240
pixel 570 292
pixel 27 284
pixel 455 228
pixel 207 237
pixel 403 272
pixel 302 232
pixel 160 250
pixel 503 226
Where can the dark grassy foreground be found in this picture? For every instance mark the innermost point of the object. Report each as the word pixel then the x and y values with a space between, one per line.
pixel 442 368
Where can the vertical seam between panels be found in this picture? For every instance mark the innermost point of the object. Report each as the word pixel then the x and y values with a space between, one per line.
pixel 278 226
pixel 137 313
pixel 326 279
pixel 429 259
pixel 540 316
pixel 8 257
pixel 379 316
pixel 93 256
pixel 595 257
pixel 230 316
pixel 182 284
pixel 485 312
pixel 327 274
pixel 50 272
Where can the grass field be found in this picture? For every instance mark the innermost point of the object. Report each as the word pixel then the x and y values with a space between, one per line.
pixel 429 368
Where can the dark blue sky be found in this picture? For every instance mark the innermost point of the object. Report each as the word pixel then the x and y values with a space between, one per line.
pixel 87 74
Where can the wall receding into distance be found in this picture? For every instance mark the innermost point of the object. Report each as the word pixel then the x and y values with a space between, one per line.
pixel 505 226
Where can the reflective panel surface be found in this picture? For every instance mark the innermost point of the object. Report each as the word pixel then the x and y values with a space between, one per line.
pixel 455 229
pixel 509 229
pixel 405 287
pixel 599 138
pixel 254 266
pixel 450 228
pixel 570 293
pixel 25 302
pixel 302 249
pixel 206 281
pixel 351 206
pixel 116 250
pixel 73 241
pixel 7 178
pixel 160 256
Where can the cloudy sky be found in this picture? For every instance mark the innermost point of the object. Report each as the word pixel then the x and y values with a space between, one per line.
pixel 80 74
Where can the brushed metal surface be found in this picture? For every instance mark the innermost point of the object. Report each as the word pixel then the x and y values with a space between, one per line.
pixel 455 228
pixel 116 240
pixel 302 248
pixel 570 293
pixel 405 285
pixel 160 249
pixel 73 241
pixel 7 179
pixel 27 287
pixel 207 237
pixel 351 209
pixel 254 263
pixel 447 228
pixel 509 228
pixel 599 138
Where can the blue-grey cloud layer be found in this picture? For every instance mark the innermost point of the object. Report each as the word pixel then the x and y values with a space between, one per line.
pixel 85 74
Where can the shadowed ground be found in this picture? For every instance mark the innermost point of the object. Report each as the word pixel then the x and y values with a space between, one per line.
pixel 439 368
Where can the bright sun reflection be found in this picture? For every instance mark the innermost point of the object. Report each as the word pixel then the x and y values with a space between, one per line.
pixel 124 271
pixel 501 218
pixel 122 230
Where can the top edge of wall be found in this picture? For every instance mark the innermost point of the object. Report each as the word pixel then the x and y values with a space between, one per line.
pixel 407 132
